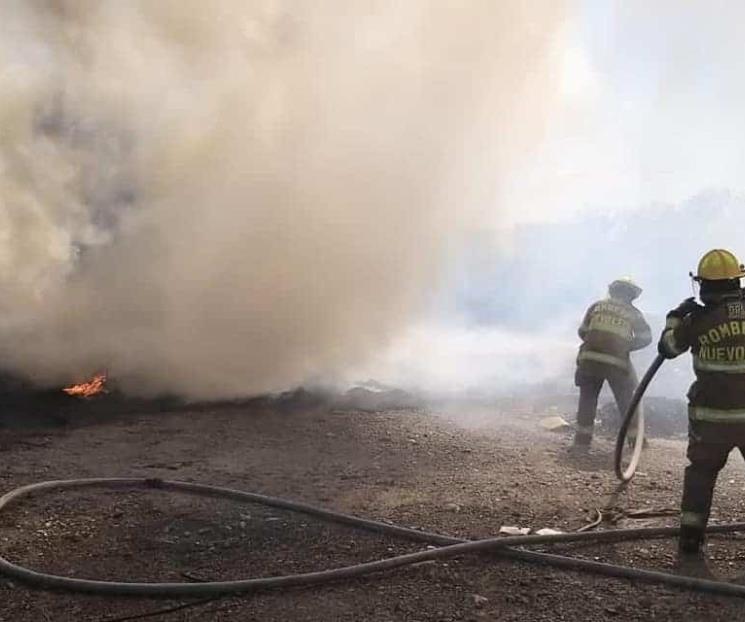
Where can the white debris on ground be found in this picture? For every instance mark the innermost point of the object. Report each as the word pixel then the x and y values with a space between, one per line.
pixel 547 531
pixel 555 424
pixel 514 531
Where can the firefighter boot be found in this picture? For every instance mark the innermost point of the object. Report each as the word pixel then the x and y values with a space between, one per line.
pixel 691 556
pixel 582 440
pixel 691 542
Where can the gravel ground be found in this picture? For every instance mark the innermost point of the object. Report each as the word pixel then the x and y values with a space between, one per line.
pixel 465 471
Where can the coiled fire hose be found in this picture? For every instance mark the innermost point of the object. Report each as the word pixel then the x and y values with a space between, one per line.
pixel 625 474
pixel 450 547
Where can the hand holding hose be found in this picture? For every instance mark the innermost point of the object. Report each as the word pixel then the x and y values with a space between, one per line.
pixel 689 305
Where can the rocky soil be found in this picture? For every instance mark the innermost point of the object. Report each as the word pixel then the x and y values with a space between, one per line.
pixel 460 470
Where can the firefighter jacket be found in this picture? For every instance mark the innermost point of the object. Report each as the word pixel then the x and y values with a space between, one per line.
pixel 715 334
pixel 611 330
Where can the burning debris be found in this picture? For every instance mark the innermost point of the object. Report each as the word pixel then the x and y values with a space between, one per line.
pixel 95 386
pixel 28 405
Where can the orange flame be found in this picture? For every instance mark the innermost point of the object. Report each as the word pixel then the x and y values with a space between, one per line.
pixel 94 386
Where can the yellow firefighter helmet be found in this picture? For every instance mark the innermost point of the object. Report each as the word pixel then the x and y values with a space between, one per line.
pixel 719 265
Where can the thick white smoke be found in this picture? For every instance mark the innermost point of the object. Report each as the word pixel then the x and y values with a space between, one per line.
pixel 224 198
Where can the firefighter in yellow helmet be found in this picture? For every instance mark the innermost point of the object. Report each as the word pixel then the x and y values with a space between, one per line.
pixel 612 328
pixel 715 334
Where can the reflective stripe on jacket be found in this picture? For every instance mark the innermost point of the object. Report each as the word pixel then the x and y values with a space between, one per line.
pixel 716 415
pixel 610 330
pixel 602 357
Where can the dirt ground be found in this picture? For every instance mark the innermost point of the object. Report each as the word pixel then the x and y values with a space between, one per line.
pixel 466 472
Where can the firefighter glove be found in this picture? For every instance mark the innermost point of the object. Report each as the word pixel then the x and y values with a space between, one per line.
pixel 689 305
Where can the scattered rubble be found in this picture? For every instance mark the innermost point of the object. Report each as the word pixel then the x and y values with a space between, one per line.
pixel 663 418
pixel 372 396
pixel 547 531
pixel 556 424
pixel 508 530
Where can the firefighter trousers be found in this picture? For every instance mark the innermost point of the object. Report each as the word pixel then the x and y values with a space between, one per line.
pixel 709 445
pixel 622 384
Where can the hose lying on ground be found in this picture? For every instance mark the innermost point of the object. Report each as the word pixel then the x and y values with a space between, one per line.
pixel 626 474
pixel 450 547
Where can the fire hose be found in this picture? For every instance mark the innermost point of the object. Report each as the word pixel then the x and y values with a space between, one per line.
pixel 449 547
pixel 625 474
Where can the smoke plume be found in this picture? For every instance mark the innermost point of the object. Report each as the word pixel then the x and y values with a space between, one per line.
pixel 226 198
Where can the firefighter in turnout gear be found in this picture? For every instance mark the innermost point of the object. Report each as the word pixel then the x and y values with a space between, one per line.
pixel 715 335
pixel 611 330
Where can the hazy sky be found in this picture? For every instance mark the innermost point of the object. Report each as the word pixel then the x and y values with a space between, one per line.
pixel 650 109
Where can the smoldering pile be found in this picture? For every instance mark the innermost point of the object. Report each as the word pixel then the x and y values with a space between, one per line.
pixel 25 405
pixel 663 418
